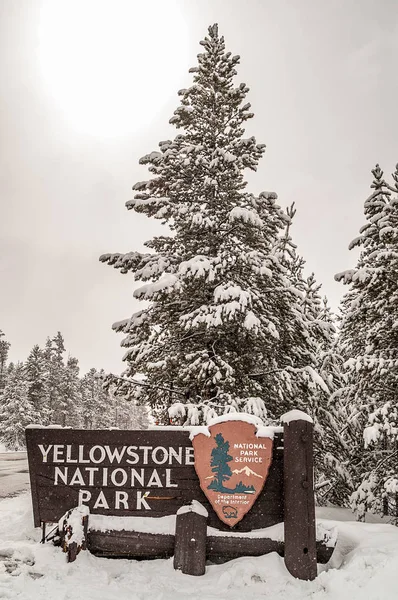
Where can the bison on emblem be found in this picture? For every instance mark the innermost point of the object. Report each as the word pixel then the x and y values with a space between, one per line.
pixel 230 512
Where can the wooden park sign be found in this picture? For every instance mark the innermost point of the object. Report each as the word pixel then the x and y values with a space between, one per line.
pixel 234 476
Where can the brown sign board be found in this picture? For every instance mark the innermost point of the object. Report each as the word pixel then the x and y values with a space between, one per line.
pixel 137 473
pixel 152 473
pixel 232 464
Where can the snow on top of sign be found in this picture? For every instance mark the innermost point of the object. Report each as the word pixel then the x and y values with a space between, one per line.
pixel 325 534
pixel 268 432
pixel 192 429
pixel 168 428
pixel 275 533
pixel 38 426
pixel 262 430
pixel 237 416
pixel 295 415
pixel 199 429
pixel 159 525
pixel 195 507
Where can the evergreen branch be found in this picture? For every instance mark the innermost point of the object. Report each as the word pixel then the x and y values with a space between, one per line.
pixel 147 385
pixel 262 373
pixel 322 484
pixel 384 460
pixel 229 231
pixel 349 419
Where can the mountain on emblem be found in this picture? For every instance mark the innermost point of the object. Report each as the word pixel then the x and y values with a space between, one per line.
pixel 232 463
pixel 247 471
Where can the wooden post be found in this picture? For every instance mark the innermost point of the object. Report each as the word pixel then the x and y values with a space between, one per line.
pixel 190 539
pixel 73 548
pixel 72 552
pixel 43 533
pixel 300 536
pixel 74 532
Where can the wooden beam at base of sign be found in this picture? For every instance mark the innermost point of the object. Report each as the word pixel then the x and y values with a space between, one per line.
pixel 222 549
pixel 130 544
pixel 219 549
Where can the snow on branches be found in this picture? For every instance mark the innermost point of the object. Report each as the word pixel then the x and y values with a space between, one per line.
pixel 369 345
pixel 220 305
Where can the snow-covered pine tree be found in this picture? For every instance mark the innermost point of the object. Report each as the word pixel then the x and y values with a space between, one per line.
pixel 35 376
pixel 71 394
pixel 125 413
pixel 96 409
pixel 369 342
pixel 137 416
pixel 220 326
pixel 16 410
pixel 4 348
pixel 103 408
pixel 286 250
pixel 55 378
pixel 333 481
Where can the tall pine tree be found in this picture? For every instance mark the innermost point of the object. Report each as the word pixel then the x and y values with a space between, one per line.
pixel 369 343
pixel 222 329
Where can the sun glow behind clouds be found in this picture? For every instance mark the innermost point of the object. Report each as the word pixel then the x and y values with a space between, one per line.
pixel 110 65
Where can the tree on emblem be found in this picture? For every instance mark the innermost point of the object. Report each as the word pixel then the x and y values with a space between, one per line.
pixel 219 463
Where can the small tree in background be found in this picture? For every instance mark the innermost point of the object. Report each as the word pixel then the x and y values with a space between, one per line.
pixel 97 409
pixel 35 377
pixel 16 410
pixel 125 413
pixel 4 348
pixel 55 378
pixel 71 394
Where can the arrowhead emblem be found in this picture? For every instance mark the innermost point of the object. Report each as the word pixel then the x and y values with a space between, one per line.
pixel 232 464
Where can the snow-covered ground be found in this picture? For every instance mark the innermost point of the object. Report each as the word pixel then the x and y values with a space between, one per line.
pixel 364 567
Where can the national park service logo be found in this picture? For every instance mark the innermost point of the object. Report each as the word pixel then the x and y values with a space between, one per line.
pixel 232 465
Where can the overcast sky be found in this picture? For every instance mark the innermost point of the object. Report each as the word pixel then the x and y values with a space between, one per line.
pixel 88 87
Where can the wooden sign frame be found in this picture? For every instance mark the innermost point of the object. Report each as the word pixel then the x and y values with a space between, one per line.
pixel 169 476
